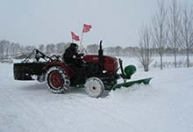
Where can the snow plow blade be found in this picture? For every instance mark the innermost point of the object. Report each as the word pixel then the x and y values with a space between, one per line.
pixel 130 83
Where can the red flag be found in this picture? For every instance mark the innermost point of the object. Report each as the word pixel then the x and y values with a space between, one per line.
pixel 74 36
pixel 86 28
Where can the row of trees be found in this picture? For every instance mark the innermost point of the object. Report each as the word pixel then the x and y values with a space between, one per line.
pixel 171 27
pixel 15 50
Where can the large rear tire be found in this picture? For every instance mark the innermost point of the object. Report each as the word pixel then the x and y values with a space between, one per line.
pixel 94 87
pixel 57 80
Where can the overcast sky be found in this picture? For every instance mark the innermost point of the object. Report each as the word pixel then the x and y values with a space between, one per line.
pixel 34 22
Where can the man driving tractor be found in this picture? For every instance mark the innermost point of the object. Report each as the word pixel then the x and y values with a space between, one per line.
pixel 71 55
pixel 74 59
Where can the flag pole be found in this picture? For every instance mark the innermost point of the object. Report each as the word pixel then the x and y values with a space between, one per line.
pixel 71 35
pixel 81 39
pixel 85 29
pixel 82 35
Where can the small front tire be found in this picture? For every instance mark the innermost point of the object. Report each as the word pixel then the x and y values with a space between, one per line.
pixel 94 87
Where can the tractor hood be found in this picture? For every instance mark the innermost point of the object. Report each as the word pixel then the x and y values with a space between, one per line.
pixel 110 64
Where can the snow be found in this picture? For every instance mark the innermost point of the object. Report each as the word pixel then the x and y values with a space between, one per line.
pixel 163 106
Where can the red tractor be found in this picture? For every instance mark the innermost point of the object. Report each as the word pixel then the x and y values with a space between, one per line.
pixel 99 73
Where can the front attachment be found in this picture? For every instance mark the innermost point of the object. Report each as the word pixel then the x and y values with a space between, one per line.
pixel 128 71
pixel 130 83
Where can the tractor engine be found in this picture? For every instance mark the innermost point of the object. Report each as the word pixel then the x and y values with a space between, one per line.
pixel 94 67
pixel 99 64
pixel 103 67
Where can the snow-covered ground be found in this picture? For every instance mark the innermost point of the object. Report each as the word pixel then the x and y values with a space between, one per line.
pixel 166 105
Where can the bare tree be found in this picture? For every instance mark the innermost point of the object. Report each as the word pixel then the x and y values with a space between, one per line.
pixel 110 51
pixel 50 49
pixel 14 49
pixel 118 50
pixel 4 49
pixel 60 47
pixel 145 48
pixel 174 24
pixel 159 34
pixel 92 49
pixel 130 51
pixel 41 47
pixel 187 31
pixel 1 50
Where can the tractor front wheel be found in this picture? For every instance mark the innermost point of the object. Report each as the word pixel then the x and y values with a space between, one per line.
pixel 57 80
pixel 94 87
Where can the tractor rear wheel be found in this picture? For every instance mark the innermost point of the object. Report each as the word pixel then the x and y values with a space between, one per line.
pixel 94 87
pixel 57 80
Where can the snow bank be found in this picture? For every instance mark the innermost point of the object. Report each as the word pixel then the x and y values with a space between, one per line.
pixel 163 106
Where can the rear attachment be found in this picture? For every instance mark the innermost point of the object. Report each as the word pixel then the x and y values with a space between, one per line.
pixel 25 71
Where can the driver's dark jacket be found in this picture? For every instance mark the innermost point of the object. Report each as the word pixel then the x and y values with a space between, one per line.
pixel 70 56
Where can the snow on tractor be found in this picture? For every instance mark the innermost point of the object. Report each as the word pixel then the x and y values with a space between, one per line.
pixel 99 73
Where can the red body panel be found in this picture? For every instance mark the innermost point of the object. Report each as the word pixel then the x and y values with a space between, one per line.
pixel 110 64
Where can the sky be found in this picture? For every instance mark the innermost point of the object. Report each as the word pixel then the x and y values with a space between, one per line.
pixel 35 22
